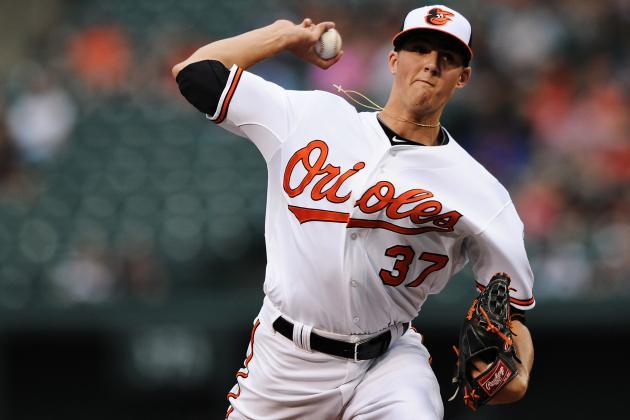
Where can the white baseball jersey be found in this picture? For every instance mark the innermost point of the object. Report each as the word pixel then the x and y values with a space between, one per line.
pixel 359 232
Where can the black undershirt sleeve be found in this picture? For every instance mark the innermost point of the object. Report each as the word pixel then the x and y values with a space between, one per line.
pixel 202 83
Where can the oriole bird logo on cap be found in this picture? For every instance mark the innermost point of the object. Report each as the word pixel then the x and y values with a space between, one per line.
pixel 439 17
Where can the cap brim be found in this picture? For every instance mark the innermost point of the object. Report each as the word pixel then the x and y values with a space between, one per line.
pixel 403 34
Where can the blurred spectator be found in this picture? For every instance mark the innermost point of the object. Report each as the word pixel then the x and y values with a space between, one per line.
pixel 14 181
pixel 501 146
pixel 100 56
pixel 141 272
pixel 41 119
pixel 83 277
pixel 592 118
pixel 8 155
pixel 540 205
pixel 564 273
pixel 523 35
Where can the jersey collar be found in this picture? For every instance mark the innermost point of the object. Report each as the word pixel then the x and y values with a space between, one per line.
pixel 397 140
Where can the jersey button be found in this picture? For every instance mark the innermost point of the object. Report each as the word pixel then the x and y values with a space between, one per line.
pixel 353 236
pixel 355 319
pixel 354 283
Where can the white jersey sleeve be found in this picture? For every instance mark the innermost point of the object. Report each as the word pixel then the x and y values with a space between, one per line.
pixel 255 108
pixel 500 248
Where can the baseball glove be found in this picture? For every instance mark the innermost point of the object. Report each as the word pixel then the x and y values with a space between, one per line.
pixel 486 335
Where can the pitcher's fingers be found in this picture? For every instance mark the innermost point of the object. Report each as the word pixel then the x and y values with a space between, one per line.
pixel 325 64
pixel 322 27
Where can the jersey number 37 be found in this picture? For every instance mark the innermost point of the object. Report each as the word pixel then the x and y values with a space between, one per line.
pixel 405 255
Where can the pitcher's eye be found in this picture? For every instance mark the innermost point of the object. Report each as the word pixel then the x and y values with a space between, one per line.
pixel 451 59
pixel 422 49
pixel 418 47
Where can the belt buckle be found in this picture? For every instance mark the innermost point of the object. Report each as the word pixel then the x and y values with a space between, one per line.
pixel 356 347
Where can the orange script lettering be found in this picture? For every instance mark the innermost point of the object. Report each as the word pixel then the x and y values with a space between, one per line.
pixel 331 174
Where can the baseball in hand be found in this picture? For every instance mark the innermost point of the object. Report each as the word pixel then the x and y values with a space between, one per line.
pixel 329 44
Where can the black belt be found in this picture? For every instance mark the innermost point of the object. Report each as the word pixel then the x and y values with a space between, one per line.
pixel 362 350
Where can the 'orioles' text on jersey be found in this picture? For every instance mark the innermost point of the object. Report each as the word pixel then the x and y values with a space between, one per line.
pixel 359 232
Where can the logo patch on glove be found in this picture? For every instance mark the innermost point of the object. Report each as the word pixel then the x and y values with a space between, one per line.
pixel 496 378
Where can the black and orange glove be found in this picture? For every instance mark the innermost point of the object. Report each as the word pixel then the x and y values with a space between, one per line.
pixel 486 336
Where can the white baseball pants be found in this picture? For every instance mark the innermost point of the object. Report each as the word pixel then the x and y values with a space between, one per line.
pixel 282 381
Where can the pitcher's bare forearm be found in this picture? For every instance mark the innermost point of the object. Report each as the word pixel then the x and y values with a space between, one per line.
pixel 515 389
pixel 244 50
pixel 249 48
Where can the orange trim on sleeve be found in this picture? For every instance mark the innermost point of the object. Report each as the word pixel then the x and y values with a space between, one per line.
pixel 514 300
pixel 228 97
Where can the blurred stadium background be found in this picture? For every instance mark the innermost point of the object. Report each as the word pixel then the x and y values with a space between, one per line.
pixel 131 229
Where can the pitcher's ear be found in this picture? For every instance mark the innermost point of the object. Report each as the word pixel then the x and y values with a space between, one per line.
pixel 392 62
pixel 464 77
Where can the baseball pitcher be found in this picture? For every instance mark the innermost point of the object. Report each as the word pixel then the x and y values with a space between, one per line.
pixel 368 213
